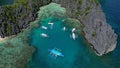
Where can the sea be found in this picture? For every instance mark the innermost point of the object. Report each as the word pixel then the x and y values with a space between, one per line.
pixel 6 2
pixel 77 53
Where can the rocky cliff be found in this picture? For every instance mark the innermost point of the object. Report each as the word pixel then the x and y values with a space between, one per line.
pixel 14 18
pixel 97 32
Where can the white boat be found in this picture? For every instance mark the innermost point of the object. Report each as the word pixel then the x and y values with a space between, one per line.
pixel 73 30
pixel 73 36
pixel 50 23
pixel 44 35
pixel 44 27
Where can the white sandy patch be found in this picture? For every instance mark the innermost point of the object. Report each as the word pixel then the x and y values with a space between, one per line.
pixel 3 39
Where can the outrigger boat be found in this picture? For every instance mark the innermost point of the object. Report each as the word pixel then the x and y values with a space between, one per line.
pixel 51 24
pixel 56 52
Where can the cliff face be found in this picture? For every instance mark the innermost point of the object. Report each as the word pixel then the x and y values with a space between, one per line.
pixel 14 18
pixel 97 32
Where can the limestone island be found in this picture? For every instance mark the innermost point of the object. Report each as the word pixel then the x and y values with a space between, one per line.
pixel 17 21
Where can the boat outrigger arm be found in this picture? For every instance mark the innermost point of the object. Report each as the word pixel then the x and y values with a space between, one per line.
pixel 51 24
pixel 56 52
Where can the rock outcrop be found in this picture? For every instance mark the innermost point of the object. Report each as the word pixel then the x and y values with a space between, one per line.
pixel 97 32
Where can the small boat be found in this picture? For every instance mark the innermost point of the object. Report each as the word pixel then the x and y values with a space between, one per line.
pixel 44 35
pixel 73 30
pixel 56 52
pixel 64 28
pixel 44 27
pixel 50 23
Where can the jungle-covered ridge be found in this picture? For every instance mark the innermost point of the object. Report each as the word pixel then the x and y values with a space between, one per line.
pixel 15 17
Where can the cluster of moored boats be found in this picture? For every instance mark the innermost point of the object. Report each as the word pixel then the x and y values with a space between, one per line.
pixel 45 28
pixel 73 35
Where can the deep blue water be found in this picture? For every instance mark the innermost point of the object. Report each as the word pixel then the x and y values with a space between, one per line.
pixel 77 53
pixel 5 2
pixel 112 11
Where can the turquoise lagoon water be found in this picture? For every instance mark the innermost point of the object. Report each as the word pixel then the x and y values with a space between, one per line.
pixel 57 39
pixel 76 53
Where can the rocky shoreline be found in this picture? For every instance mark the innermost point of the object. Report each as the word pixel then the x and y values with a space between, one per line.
pixel 97 32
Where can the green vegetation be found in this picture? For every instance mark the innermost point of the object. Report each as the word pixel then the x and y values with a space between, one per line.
pixel 80 2
pixel 8 14
pixel 93 34
pixel 87 10
pixel 96 1
pixel 8 28
pixel 20 9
